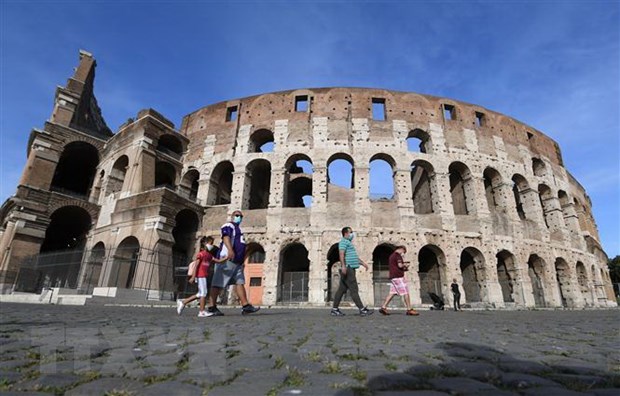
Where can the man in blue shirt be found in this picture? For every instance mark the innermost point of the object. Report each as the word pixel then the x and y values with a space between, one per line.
pixel 230 272
pixel 350 262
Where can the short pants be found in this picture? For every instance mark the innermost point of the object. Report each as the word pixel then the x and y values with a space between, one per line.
pixel 228 273
pixel 398 286
pixel 202 287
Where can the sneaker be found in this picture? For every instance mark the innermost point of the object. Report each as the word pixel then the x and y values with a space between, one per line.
pixel 203 314
pixel 337 312
pixel 412 312
pixel 365 311
pixel 180 306
pixel 214 312
pixel 248 309
pixel 383 311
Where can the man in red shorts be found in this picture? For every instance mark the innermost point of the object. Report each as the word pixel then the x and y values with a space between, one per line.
pixel 398 282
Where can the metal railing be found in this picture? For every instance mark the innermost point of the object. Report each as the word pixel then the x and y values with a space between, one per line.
pixel 294 287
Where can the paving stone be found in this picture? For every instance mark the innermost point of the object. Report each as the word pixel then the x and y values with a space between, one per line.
pixel 460 385
pixel 605 392
pixel 551 391
pixel 395 381
pixel 9 376
pixel 12 364
pixel 51 380
pixel 406 393
pixel 521 380
pixel 171 388
pixel 105 385
pixel 481 371
pixel 520 366
pixel 581 381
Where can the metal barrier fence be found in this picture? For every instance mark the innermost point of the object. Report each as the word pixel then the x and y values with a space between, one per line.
pixel 294 287
pixel 124 268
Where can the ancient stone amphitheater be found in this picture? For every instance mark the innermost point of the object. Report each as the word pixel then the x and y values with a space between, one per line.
pixel 477 196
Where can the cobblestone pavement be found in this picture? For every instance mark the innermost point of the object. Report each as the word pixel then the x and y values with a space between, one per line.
pixel 99 350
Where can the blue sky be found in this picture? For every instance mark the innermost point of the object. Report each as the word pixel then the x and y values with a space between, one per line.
pixel 551 64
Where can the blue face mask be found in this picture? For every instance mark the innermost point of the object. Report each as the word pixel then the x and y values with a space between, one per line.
pixel 351 236
pixel 237 219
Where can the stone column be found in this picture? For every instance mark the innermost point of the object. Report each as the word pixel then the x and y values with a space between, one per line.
pixel 362 202
pixel 317 274
pixel 443 198
pixel 240 196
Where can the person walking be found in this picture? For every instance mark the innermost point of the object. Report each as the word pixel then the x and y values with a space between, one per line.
pixel 230 272
pixel 350 262
pixel 398 282
pixel 456 294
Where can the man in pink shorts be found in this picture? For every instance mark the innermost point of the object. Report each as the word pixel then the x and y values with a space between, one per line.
pixel 398 281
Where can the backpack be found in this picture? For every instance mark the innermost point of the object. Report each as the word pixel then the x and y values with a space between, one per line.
pixel 191 268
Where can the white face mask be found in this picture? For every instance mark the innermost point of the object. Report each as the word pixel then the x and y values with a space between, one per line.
pixel 209 247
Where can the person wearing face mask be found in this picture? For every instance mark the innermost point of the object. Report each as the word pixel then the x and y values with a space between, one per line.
pixel 230 272
pixel 350 262
pixel 398 282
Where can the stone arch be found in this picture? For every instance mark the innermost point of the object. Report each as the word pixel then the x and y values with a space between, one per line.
pixel 186 225
pixel 220 185
pixel 298 181
pixel 562 272
pixel 76 169
pixel 536 268
pixel 381 168
pixel 519 189
pixel 171 145
pixel 507 276
pixel 67 230
pixel 116 178
pixel 432 272
pixel 92 270
pixel 461 189
pixel 257 184
pixel 582 280
pixel 472 267
pixel 333 271
pixel 380 270
pixel 294 269
pixel 492 185
pixel 255 253
pixel 165 175
pixel 419 141
pixel 261 141
pixel 125 263
pixel 538 167
pixel 189 184
pixel 339 186
pixel 545 194
pixel 423 186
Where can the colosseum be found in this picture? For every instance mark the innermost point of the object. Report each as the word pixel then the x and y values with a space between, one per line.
pixel 477 196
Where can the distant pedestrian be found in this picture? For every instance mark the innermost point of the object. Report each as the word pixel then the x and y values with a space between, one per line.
pixel 349 262
pixel 398 282
pixel 199 275
pixel 230 271
pixel 456 294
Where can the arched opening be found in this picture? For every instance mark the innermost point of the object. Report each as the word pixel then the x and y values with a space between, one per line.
pixel 261 141
pixel 582 279
pixel 116 179
pixel 538 167
pixel 333 272
pixel 184 234
pixel 536 272
pixel 563 278
pixel 422 177
pixel 381 271
pixel 419 141
pixel 189 184
pixel 255 253
pixel 92 271
pixel 507 275
pixel 220 185
pixel 76 169
pixel 519 188
pixel 492 184
pixel 340 178
pixel 544 194
pixel 67 230
pixel 461 189
pixel 254 259
pixel 431 261
pixel 165 175
pixel 125 263
pixel 257 185
pixel 381 176
pixel 472 270
pixel 298 182
pixel 294 270
pixel 171 145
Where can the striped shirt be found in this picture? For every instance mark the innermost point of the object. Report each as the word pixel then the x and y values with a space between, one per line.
pixel 350 255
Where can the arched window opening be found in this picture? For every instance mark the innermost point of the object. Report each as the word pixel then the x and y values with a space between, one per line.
pixel 506 275
pixel 418 141
pixel 261 141
pixel 67 230
pixel 165 175
pixel 381 178
pixel 381 271
pixel 563 278
pixel 582 279
pixel 171 145
pixel 519 188
pixel 76 169
pixel 294 270
pixel 544 194
pixel 461 189
pixel 184 234
pixel 117 175
pixel 220 185
pixel 333 272
pixel 538 167
pixel 298 182
pixel 430 259
pixel 492 184
pixel 340 178
pixel 189 184
pixel 421 186
pixel 92 271
pixel 125 263
pixel 255 253
pixel 536 272
pixel 257 185
pixel 472 270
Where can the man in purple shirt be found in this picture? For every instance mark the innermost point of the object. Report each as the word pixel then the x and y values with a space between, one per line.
pixel 230 272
